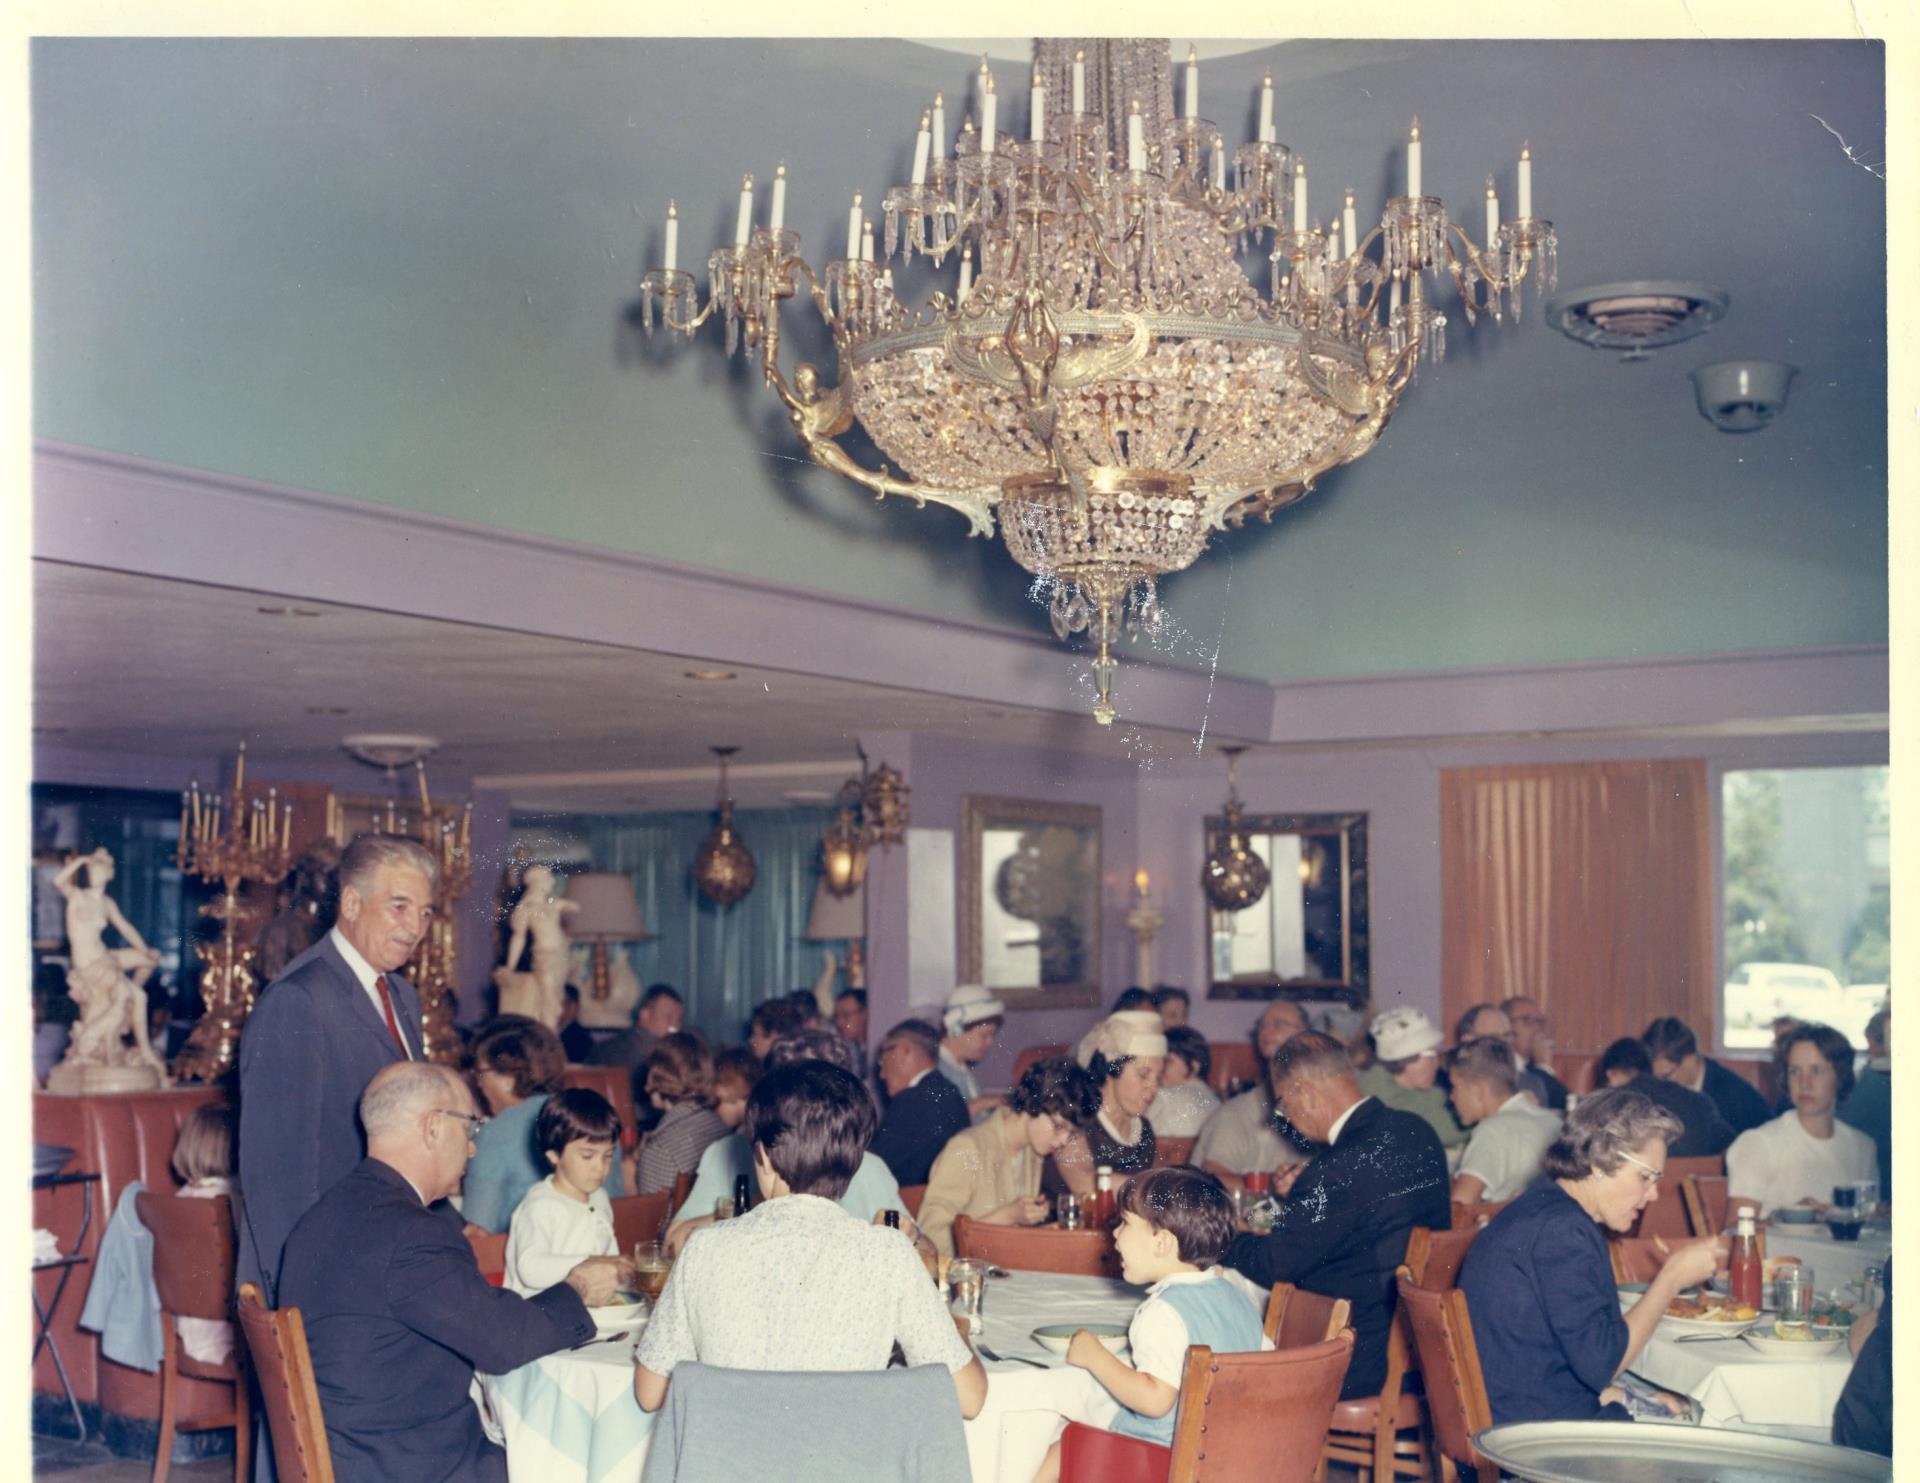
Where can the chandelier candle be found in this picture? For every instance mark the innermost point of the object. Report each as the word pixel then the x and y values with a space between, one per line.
pixel 673 237
pixel 1493 213
pixel 1526 183
pixel 743 224
pixel 1192 98
pixel 777 220
pixel 1109 389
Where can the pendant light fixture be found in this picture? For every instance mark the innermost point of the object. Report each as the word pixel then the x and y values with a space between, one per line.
pixel 1233 877
pixel 724 869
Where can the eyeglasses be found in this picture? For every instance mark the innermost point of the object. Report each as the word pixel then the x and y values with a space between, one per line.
pixel 1649 1175
pixel 1529 1019
pixel 474 1124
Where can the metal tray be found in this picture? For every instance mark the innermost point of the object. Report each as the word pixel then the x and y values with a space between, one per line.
pixel 1628 1452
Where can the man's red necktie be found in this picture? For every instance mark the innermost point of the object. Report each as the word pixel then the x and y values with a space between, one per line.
pixel 393 1025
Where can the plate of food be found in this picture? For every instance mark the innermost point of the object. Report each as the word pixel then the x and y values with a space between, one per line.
pixel 1055 1337
pixel 1795 1215
pixel 622 1310
pixel 1707 1314
pixel 1794 1341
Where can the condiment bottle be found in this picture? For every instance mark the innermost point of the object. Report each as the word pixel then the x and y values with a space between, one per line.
pixel 1103 1195
pixel 741 1200
pixel 892 1219
pixel 1744 1277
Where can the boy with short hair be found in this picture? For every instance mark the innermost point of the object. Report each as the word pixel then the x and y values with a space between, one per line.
pixel 567 1216
pixel 1174 1226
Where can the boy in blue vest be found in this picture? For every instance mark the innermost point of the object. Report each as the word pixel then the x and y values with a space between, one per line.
pixel 1174 1226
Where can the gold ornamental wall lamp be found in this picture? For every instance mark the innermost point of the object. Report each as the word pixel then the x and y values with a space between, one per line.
pixel 1100 375
pixel 872 813
pixel 724 869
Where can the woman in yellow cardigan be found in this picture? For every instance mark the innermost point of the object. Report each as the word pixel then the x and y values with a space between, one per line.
pixel 991 1171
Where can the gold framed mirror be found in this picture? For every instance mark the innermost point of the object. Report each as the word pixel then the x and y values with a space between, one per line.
pixel 1030 901
pixel 1306 935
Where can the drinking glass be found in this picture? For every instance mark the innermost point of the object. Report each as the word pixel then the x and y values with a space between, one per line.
pixel 966 1283
pixel 723 1208
pixel 1068 1208
pixel 651 1266
pixel 1793 1292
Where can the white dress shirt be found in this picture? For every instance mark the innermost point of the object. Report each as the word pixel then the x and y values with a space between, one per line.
pixel 367 973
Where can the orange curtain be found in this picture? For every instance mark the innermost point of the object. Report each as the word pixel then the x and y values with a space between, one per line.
pixel 1586 887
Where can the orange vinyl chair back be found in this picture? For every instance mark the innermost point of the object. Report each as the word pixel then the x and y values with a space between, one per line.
pixel 911 1195
pixel 1705 1196
pixel 1456 1392
pixel 1476 1212
pixel 1635 1258
pixel 1036 1249
pixel 1296 1318
pixel 1172 1150
pixel 490 1251
pixel 277 1342
pixel 193 1274
pixel 638 1218
pixel 1234 1406
pixel 1435 1257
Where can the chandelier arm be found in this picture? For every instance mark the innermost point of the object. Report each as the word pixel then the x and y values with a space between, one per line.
pixel 688 326
pixel 1082 189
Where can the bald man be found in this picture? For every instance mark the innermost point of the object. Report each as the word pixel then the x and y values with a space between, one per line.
pixel 398 1316
pixel 1244 1137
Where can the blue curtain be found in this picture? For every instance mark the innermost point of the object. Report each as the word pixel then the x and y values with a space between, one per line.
pixel 723 961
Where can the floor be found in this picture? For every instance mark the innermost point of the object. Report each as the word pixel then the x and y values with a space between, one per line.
pixel 89 1462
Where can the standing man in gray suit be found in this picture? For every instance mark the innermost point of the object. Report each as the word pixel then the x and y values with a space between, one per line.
pixel 337 1014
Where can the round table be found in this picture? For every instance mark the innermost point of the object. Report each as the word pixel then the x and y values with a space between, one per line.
pixel 1836 1264
pixel 1739 1387
pixel 570 1417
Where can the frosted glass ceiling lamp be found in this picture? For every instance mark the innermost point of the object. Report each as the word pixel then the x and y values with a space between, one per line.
pixel 1743 396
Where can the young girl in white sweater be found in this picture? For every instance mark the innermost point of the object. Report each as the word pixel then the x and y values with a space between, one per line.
pixel 566 1216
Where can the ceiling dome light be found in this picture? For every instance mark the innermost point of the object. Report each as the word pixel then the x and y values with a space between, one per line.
pixel 1637 318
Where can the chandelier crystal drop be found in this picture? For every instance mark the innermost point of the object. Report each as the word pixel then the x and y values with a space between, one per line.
pixel 1103 379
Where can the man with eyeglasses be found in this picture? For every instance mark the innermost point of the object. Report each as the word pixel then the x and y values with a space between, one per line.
pixel 1533 1048
pixel 398 1317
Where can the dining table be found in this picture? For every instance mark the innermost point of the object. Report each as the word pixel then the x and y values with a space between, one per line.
pixel 1837 1265
pixel 571 1416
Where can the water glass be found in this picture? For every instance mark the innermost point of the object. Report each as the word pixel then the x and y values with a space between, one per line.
pixel 966 1285
pixel 723 1208
pixel 651 1265
pixel 1793 1292
pixel 1068 1208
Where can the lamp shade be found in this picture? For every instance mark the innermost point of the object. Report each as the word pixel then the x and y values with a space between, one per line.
pixel 836 918
pixel 608 908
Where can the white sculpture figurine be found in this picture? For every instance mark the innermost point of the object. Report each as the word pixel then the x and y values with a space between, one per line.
pixel 109 985
pixel 539 914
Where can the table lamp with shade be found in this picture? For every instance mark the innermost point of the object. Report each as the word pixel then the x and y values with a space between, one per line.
pixel 609 912
pixel 838 919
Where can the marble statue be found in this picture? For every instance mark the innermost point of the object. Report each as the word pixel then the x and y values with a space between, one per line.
pixel 539 915
pixel 109 986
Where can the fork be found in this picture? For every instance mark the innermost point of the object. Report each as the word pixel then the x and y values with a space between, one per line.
pixel 1019 1359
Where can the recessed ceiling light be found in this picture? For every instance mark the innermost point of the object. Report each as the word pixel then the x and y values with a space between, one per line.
pixel 711 674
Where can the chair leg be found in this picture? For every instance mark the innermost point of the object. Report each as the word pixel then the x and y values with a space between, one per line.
pixel 1448 1472
pixel 169 1378
pixel 242 1428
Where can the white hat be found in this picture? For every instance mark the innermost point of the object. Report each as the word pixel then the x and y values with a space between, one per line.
pixel 1131 1032
pixel 968 1005
pixel 1401 1034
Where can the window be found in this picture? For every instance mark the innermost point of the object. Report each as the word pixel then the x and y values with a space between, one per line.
pixel 1805 900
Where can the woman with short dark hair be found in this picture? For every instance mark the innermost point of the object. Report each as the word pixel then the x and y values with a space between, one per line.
pixel 1539 1281
pixel 991 1171
pixel 1124 1054
pixel 1798 1157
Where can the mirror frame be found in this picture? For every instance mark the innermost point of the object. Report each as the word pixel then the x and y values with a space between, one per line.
pixel 978 812
pixel 1356 986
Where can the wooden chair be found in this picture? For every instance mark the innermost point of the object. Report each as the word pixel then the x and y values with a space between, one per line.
pixel 1476 1213
pixel 1036 1249
pixel 1435 1257
pixel 1034 1054
pixel 1705 1197
pixel 1456 1390
pixel 1172 1150
pixel 1297 1318
pixel 193 1273
pixel 638 1218
pixel 911 1195
pixel 1382 1435
pixel 277 1347
pixel 490 1251
pixel 1233 1060
pixel 1667 1216
pixel 1635 1258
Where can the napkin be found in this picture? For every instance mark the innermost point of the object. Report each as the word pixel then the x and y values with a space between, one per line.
pixel 46 1247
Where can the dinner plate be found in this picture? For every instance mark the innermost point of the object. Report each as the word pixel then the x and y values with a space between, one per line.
pixel 1769 1346
pixel 1055 1337
pixel 1607 1452
pixel 1795 1215
pixel 619 1315
pixel 1688 1325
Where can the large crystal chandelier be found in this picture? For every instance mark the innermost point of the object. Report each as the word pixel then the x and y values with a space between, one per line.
pixel 1105 379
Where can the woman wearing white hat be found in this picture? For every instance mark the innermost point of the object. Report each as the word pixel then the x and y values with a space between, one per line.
pixel 1124 1055
pixel 1405 1064
pixel 972 1019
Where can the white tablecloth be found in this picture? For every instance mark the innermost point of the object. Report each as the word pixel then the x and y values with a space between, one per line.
pixel 1737 1386
pixel 1836 1264
pixel 570 1417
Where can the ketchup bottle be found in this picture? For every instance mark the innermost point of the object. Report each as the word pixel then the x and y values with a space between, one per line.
pixel 1103 1196
pixel 1744 1275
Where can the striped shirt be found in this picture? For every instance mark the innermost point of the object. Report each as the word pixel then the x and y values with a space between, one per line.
pixel 674 1147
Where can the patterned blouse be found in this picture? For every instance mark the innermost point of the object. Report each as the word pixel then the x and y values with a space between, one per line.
pixel 674 1147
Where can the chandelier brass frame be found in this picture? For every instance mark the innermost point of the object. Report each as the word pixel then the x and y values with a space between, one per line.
pixel 1111 389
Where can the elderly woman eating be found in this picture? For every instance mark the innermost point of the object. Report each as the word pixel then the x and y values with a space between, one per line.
pixel 1539 1283
pixel 1123 1054
pixel 991 1171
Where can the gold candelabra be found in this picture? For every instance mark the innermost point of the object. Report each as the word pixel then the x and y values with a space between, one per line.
pixel 446 833
pixel 233 841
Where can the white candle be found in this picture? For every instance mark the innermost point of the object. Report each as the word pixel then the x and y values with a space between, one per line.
pixel 1493 213
pixel 1136 139
pixel 779 216
pixel 1079 83
pixel 744 222
pixel 1193 82
pixel 853 228
pixel 921 144
pixel 673 237
pixel 1393 295
pixel 989 110
pixel 1220 167
pixel 1300 197
pixel 1266 109
pixel 1526 182
pixel 1413 158
pixel 966 272
pixel 1348 227
pixel 1037 110
pixel 866 241
pixel 939 126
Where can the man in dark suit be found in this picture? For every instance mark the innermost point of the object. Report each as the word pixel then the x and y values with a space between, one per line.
pixel 321 1030
pixel 924 1109
pixel 1704 1132
pixel 398 1317
pixel 1533 1049
pixel 1345 1214
pixel 1676 1057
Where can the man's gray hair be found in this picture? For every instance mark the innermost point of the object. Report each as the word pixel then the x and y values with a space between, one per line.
pixel 1488 1059
pixel 1599 1134
pixel 369 852
pixel 915 1032
pixel 815 1043
pixel 403 1093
